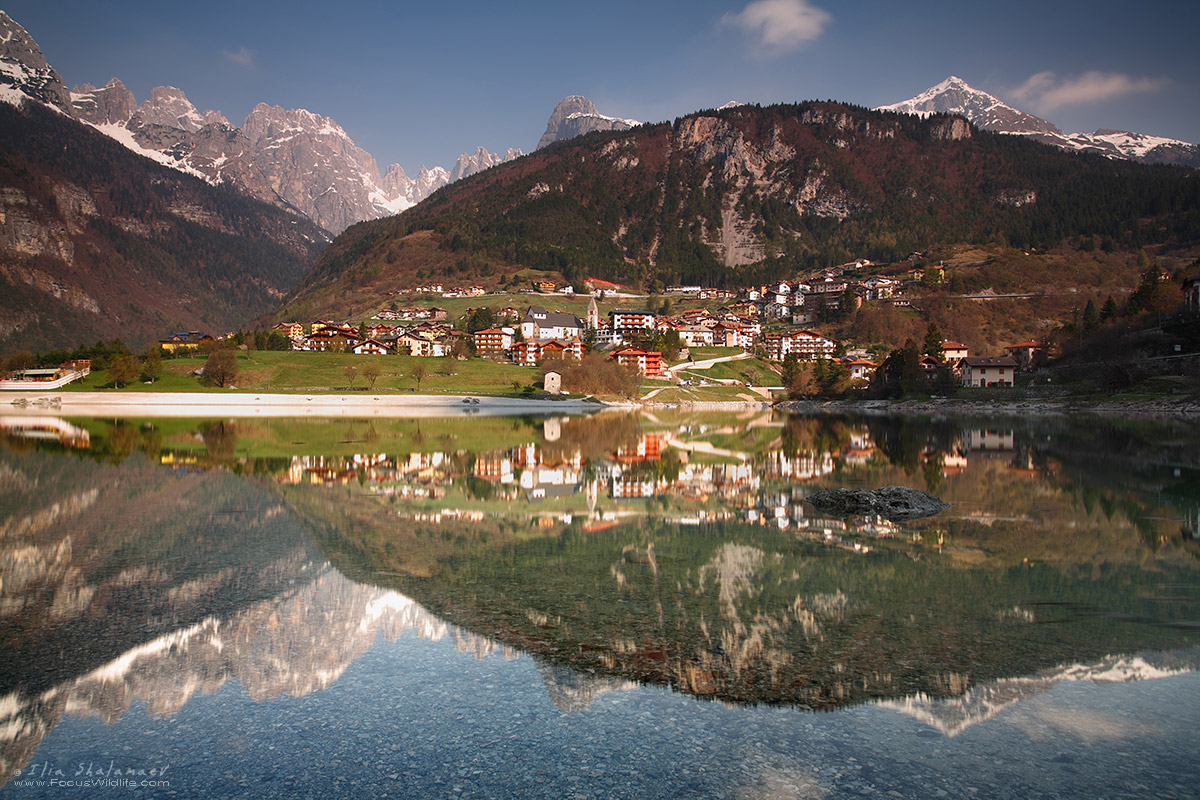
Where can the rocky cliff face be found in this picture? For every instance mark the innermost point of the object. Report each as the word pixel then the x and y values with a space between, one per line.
pixel 170 130
pixel 24 71
pixel 170 107
pixel 575 116
pixel 480 160
pixel 112 251
pixel 111 104
pixel 314 165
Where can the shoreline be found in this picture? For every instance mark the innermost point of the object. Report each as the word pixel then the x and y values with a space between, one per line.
pixel 267 404
pixel 248 404
pixel 1159 409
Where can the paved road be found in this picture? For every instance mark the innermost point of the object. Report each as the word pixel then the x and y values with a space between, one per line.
pixel 707 362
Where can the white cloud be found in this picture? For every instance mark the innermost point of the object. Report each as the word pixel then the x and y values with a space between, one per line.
pixel 1045 92
pixel 241 57
pixel 778 26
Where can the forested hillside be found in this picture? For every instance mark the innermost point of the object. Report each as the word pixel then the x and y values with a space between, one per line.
pixel 726 197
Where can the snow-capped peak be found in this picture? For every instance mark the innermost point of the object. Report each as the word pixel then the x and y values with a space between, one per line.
pixel 985 111
pixel 955 96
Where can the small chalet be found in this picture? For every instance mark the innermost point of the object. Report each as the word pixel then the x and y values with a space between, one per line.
pixel 860 369
pixel 733 334
pixel 696 335
pixel 422 346
pixel 371 347
pixel 988 371
pixel 953 351
pixel 530 352
pixel 292 330
pixel 184 341
pixel 1028 354
pixel 930 367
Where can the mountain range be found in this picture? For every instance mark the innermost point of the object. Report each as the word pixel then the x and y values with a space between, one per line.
pixel 288 156
pixel 989 113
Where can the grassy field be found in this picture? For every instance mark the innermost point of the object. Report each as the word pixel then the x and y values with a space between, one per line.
pixel 575 304
pixel 754 371
pixel 227 440
pixel 291 371
pixel 317 373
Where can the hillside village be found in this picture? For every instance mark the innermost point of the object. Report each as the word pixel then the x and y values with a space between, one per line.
pixel 779 322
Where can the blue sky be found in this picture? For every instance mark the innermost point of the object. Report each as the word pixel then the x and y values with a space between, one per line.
pixel 419 83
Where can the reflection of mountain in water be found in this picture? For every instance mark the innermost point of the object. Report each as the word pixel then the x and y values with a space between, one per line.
pixel 124 584
pixel 754 614
pixel 953 715
pixel 296 643
pixel 574 691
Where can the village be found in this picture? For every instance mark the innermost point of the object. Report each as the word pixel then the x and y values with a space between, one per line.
pixel 663 338
pixel 776 322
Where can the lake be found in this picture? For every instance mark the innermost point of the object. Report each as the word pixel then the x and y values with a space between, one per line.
pixel 622 605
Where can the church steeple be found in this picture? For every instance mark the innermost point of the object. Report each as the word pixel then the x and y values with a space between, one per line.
pixel 593 314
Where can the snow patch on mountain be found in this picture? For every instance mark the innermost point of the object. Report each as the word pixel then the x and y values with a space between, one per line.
pixel 124 135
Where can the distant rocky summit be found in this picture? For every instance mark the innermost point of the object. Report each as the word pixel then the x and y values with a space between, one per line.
pixel 575 116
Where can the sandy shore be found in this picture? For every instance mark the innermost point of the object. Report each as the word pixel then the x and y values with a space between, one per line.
pixel 184 404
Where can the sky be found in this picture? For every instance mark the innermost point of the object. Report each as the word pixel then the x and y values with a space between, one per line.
pixel 418 83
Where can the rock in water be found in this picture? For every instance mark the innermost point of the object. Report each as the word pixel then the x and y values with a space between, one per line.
pixel 890 502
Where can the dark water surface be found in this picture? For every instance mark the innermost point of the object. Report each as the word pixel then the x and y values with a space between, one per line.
pixel 616 606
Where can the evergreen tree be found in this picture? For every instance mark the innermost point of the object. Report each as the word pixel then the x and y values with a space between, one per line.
pixel 933 342
pixel 912 379
pixel 1091 317
pixel 1109 311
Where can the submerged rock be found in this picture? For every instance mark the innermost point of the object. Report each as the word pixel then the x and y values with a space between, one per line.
pixel 895 503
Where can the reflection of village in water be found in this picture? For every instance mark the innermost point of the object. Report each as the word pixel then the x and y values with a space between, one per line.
pixel 676 474
pixel 686 473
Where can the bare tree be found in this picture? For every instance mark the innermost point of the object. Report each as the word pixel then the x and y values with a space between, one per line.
pixel 221 368
pixel 351 373
pixel 371 373
pixel 417 373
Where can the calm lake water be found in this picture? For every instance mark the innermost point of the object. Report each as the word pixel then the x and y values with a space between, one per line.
pixel 615 606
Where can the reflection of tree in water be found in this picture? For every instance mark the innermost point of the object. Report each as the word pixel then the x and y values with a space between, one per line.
pixel 903 440
pixel 933 471
pixel 123 439
pixel 372 435
pixel 593 437
pixel 814 435
pixel 220 439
